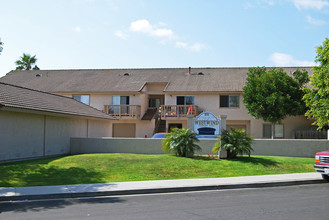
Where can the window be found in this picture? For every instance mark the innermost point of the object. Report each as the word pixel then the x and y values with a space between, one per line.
pixel 267 130
pixel 185 100
pixel 229 101
pixel 120 100
pixel 82 98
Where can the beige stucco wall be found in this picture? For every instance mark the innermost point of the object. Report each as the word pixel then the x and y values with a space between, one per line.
pixel 289 148
pixel 128 145
pixel 205 102
pixel 21 135
pixel 99 128
pixel 58 130
pixel 144 102
pixel 99 100
pixel 210 102
pixel 142 127
pixel 26 135
pixel 154 88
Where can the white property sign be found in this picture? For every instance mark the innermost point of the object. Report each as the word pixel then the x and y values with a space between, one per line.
pixel 206 124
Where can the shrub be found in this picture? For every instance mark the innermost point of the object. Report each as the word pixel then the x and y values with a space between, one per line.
pixel 181 142
pixel 217 147
pixel 236 142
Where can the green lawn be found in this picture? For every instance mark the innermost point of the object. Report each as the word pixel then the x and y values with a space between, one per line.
pixel 100 168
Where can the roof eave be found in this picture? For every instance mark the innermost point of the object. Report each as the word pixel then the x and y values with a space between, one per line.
pixel 52 113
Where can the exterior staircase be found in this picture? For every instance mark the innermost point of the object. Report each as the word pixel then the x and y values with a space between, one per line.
pixel 150 113
pixel 161 127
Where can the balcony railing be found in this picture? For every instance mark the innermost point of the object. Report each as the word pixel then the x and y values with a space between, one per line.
pixel 123 111
pixel 178 110
pixel 309 134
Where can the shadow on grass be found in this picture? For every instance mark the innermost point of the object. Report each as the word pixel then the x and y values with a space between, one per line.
pixel 256 161
pixel 45 160
pixel 251 160
pixel 36 175
pixel 40 206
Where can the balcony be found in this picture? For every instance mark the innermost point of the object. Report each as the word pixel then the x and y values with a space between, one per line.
pixel 178 111
pixel 123 111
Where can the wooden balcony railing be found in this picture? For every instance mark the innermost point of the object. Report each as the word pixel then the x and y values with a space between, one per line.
pixel 178 110
pixel 124 111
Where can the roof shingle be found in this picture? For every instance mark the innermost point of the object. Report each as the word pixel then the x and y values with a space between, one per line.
pixel 131 80
pixel 24 98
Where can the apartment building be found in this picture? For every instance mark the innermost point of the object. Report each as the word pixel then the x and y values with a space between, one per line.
pixel 146 101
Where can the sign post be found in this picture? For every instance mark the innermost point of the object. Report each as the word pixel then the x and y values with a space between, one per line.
pixel 207 124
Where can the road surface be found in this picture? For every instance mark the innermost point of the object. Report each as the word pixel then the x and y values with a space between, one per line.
pixel 291 202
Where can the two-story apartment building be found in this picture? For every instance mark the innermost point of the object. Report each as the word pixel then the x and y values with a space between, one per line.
pixel 146 101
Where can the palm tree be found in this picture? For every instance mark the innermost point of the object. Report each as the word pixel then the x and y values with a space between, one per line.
pixel 236 142
pixel 181 142
pixel 26 62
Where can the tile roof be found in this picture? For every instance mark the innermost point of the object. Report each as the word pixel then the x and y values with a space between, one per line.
pixel 24 98
pixel 131 80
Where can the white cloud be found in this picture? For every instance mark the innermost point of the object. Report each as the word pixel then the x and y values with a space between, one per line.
pixel 160 32
pixel 141 26
pixel 310 4
pixel 121 34
pixel 144 26
pixel 77 29
pixel 281 59
pixel 191 47
pixel 259 3
pixel 314 21
pixel 181 44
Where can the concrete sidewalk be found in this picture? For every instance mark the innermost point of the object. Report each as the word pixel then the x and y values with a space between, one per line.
pixel 157 186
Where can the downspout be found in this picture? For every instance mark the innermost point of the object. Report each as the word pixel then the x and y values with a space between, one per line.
pixel 44 135
pixel 87 128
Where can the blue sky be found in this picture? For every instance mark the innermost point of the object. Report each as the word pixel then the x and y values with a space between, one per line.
pixel 105 34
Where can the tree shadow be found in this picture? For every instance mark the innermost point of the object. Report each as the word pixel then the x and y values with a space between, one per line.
pixel 256 160
pixel 32 173
pixel 35 173
pixel 252 160
pixel 38 206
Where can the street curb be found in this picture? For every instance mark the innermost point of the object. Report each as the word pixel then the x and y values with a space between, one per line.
pixel 158 190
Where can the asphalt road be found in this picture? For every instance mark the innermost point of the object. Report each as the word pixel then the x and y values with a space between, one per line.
pixel 292 202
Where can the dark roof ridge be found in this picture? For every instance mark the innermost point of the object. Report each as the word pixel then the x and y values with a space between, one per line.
pixel 163 68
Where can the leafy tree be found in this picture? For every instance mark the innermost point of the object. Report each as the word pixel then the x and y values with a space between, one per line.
pixel 236 142
pixel 181 142
pixel 272 94
pixel 317 98
pixel 1 46
pixel 27 62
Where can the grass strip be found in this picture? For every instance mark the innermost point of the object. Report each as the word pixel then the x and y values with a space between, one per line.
pixel 101 168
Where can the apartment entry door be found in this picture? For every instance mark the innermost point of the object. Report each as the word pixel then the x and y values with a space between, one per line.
pixel 155 101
